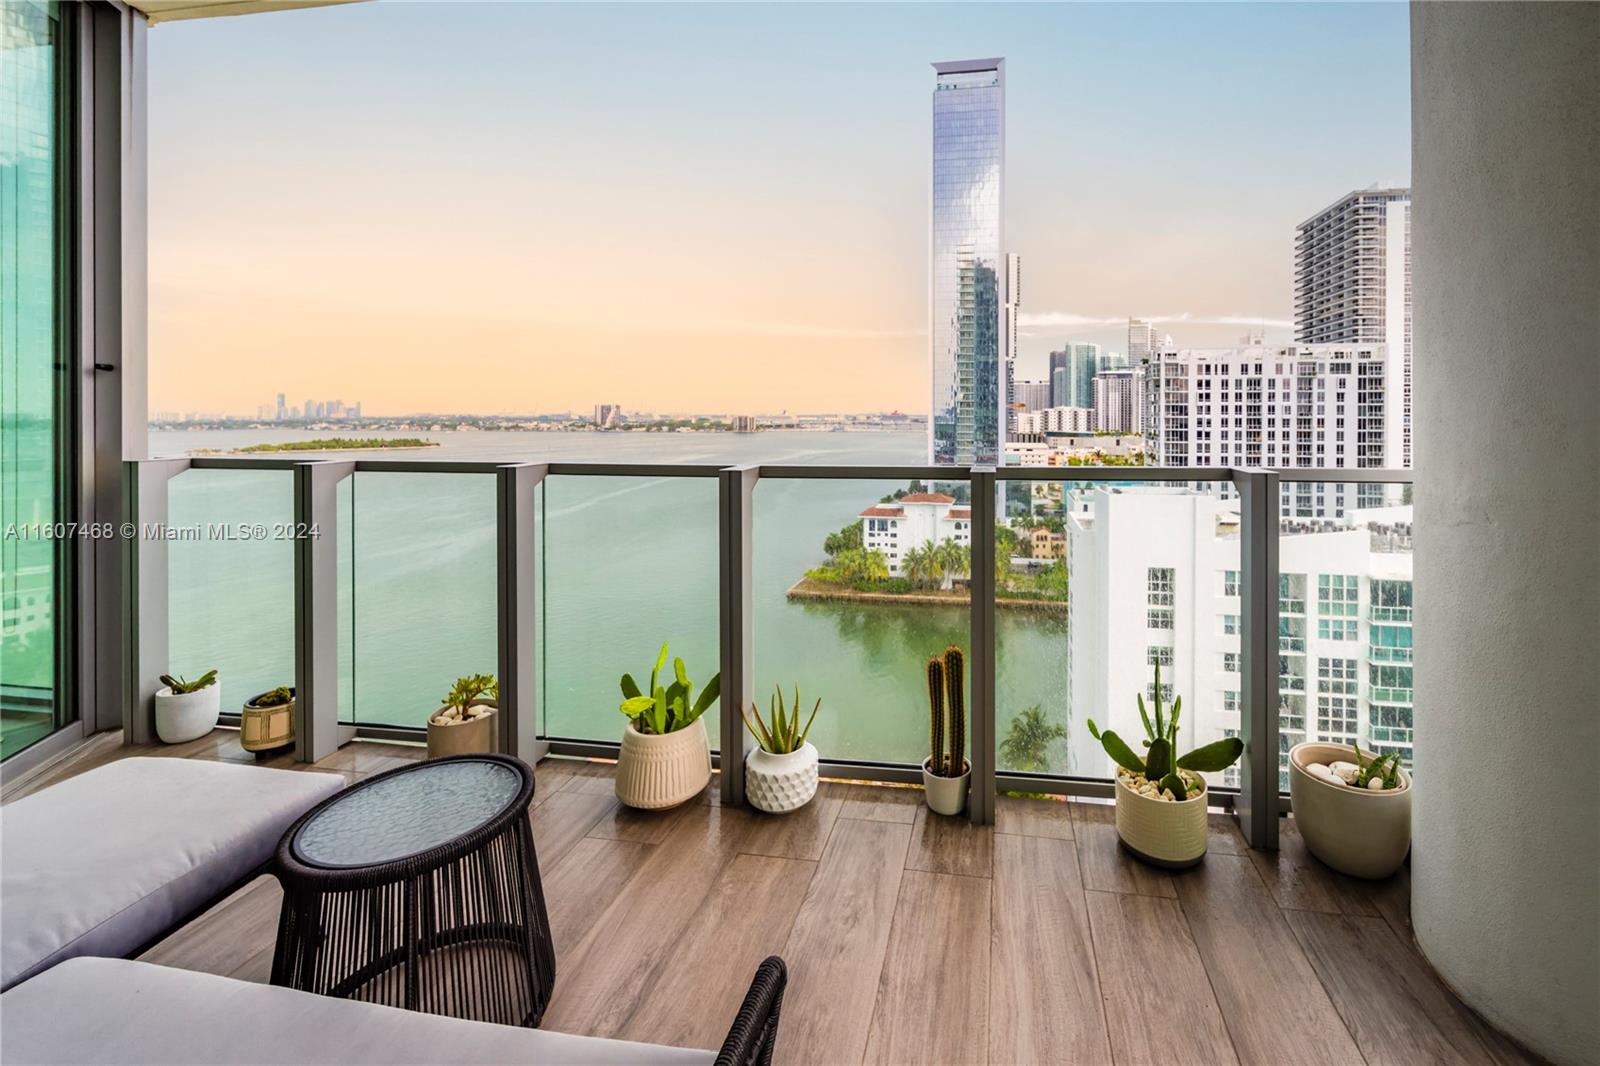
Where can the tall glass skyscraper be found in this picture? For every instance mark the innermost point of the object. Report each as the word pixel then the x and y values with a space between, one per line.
pixel 967 275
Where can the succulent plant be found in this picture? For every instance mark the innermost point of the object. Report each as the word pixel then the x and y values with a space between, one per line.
pixel 781 732
pixel 471 688
pixel 276 697
pixel 670 708
pixel 179 686
pixel 1385 768
pixel 1161 761
pixel 947 701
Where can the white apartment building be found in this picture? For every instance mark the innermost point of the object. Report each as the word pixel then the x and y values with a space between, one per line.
pixel 1056 420
pixel 1156 577
pixel 912 521
pixel 1119 400
pixel 1352 285
pixel 1326 406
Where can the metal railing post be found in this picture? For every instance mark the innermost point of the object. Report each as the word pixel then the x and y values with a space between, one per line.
pixel 144 648
pixel 981 798
pixel 736 519
pixel 317 733
pixel 1257 806
pixel 516 595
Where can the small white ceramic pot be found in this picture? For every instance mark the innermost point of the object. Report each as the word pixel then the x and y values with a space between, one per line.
pixel 474 736
pixel 665 769
pixel 185 716
pixel 778 784
pixel 1354 830
pixel 945 795
pixel 1166 833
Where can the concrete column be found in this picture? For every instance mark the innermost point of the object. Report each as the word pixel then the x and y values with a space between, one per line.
pixel 1506 246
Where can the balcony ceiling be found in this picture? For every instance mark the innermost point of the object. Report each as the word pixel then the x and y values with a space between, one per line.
pixel 172 10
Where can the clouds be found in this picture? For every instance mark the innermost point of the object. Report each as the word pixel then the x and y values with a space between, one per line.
pixel 1039 321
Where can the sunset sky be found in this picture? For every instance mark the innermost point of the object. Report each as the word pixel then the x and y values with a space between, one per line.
pixel 505 208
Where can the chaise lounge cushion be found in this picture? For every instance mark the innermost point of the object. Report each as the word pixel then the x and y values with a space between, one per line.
pixel 117 1011
pixel 107 861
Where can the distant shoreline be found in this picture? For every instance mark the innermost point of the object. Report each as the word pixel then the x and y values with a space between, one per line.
pixel 324 444
pixel 819 592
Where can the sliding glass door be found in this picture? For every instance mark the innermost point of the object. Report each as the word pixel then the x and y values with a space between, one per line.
pixel 34 385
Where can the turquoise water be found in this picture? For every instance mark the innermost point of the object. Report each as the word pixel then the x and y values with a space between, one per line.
pixel 626 564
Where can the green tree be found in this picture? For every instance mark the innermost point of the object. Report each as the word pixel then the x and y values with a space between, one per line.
pixel 1026 746
pixel 846 539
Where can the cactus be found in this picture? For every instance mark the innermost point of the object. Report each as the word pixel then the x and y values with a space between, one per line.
pixel 1161 762
pixel 947 697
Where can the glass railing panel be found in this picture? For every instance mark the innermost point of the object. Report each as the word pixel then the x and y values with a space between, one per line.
pixel 422 596
pixel 230 573
pixel 1349 546
pixel 626 564
pixel 850 601
pixel 1133 574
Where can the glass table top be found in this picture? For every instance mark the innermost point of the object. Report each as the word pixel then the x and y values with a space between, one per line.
pixel 406 814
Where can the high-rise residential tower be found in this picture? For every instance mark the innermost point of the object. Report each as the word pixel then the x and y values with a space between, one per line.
pixel 968 321
pixel 1352 285
pixel 1144 342
pixel 1072 371
pixel 1013 305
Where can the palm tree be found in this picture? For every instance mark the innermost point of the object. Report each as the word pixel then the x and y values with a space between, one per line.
pixel 955 560
pixel 915 566
pixel 1026 746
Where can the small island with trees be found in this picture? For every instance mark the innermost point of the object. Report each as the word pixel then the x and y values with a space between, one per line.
pixel 338 444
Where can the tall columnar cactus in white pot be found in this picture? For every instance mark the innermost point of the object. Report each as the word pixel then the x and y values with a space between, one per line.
pixel 946 774
pixel 665 757
pixel 1161 797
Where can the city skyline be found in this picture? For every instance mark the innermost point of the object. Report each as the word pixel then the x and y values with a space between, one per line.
pixel 376 253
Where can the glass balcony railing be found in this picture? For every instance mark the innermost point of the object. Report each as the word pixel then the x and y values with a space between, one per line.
pixel 854 577
pixel 230 579
pixel 625 565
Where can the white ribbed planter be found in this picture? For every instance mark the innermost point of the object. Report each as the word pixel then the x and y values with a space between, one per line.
pixel 778 784
pixel 945 795
pixel 1354 830
pixel 1162 832
pixel 663 770
pixel 185 716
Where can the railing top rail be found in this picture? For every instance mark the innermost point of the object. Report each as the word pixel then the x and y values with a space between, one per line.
pixel 709 470
pixel 1113 473
pixel 214 462
pixel 1337 475
pixel 867 473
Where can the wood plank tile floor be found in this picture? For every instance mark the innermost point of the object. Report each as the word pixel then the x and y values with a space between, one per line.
pixel 914 938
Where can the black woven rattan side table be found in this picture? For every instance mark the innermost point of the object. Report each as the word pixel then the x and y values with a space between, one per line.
pixel 419 888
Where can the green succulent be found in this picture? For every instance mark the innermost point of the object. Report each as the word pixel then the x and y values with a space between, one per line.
pixel 1161 762
pixel 276 697
pixel 179 686
pixel 781 732
pixel 667 709
pixel 471 688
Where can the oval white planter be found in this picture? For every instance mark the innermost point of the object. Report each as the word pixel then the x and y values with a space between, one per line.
pixel 185 716
pixel 945 795
pixel 1162 832
pixel 1354 830
pixel 663 770
pixel 778 784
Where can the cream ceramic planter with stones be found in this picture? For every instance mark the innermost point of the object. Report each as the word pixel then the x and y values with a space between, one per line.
pixel 779 784
pixel 657 770
pixel 471 735
pixel 1357 831
pixel 1162 832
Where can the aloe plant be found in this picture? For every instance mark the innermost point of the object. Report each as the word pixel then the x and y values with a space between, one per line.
pixel 669 708
pixel 947 705
pixel 1161 761
pixel 780 733
pixel 179 686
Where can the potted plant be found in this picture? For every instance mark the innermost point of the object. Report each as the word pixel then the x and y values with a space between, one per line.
pixel 946 773
pixel 781 775
pixel 463 724
pixel 1354 815
pixel 187 710
pixel 665 758
pixel 1161 798
pixel 267 721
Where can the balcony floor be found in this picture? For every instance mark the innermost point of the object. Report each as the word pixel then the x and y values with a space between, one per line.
pixel 914 938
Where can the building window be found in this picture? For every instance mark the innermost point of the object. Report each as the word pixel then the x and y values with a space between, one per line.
pixel 1158 656
pixel 1230 625
pixel 1230 662
pixel 1158 618
pixel 1230 582
pixel 1336 606
pixel 1230 700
